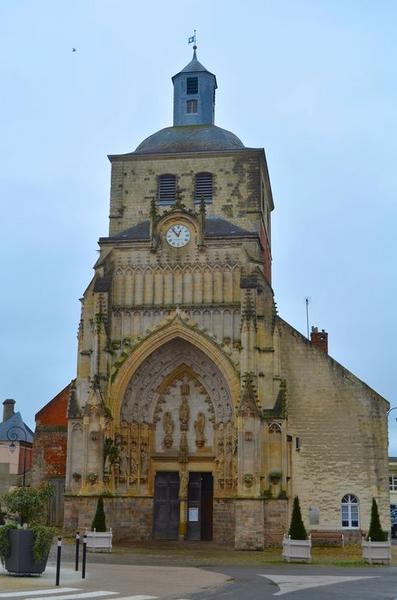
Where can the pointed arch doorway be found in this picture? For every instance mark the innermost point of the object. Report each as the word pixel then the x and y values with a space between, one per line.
pixel 181 401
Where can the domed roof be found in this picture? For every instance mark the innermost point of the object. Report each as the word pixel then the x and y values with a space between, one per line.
pixel 189 138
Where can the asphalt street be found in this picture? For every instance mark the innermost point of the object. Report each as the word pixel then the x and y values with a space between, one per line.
pixel 108 579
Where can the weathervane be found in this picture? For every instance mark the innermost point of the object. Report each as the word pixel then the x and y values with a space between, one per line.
pixel 193 40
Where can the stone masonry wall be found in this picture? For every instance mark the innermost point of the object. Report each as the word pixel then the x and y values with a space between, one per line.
pixel 129 518
pixel 224 521
pixel 249 524
pixel 237 186
pixel 275 521
pixel 342 426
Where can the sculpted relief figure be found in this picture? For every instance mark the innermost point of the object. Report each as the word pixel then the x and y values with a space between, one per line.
pixel 199 428
pixel 229 460
pixel 168 426
pixel 183 448
pixel 133 470
pixel 124 460
pixel 144 462
pixel 184 414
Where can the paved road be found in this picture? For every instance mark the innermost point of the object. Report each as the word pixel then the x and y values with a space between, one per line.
pixel 108 581
pixel 303 582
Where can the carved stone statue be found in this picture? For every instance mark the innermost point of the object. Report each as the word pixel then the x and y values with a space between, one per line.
pixel 144 462
pixel 133 470
pixel 124 459
pixel 229 459
pixel 199 428
pixel 183 448
pixel 184 414
pixel 168 426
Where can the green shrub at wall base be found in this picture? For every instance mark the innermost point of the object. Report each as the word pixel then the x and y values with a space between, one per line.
pixel 375 530
pixel 99 522
pixel 297 529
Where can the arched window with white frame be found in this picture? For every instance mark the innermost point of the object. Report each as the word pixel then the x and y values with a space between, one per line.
pixel 350 511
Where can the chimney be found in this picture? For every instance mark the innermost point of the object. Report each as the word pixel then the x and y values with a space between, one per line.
pixel 319 339
pixel 8 409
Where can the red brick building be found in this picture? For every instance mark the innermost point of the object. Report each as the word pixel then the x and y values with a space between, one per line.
pixel 49 449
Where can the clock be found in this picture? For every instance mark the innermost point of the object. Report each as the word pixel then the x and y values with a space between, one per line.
pixel 178 235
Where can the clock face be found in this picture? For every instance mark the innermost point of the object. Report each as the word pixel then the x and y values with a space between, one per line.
pixel 178 235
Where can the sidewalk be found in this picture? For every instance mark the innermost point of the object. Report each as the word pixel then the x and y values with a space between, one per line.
pixel 109 579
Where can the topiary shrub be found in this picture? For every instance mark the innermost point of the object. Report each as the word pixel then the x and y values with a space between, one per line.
pixel 99 522
pixel 297 529
pixel 375 533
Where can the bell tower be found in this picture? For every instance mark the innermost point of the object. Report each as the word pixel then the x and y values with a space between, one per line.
pixel 194 94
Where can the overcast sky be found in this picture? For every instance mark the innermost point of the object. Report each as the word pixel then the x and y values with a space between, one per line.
pixel 313 82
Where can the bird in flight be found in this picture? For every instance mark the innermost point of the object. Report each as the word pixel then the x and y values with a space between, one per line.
pixel 74 50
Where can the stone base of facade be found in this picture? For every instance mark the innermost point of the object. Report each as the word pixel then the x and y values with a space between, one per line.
pixel 275 521
pixel 129 518
pixel 224 521
pixel 246 524
pixel 249 524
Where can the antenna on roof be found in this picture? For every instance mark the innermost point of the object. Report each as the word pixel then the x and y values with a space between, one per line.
pixel 307 300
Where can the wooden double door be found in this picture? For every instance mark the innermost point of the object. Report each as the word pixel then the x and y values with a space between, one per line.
pixel 167 507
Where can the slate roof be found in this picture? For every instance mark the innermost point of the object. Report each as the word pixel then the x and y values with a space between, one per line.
pixel 189 138
pixel 194 67
pixel 17 430
pixel 214 227
pixel 103 284
pixel 219 227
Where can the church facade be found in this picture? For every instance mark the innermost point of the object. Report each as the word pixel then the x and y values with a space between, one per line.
pixel 197 411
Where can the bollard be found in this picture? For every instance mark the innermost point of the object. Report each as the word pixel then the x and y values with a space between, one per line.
pixel 59 548
pixel 77 550
pixel 84 556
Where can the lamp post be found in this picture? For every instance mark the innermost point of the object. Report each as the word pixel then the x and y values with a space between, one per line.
pixel 13 437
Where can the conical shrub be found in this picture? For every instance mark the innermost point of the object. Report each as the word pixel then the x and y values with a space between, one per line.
pixel 297 529
pixel 375 530
pixel 99 522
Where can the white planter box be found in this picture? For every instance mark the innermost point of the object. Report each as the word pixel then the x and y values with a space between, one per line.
pixel 297 549
pixel 99 541
pixel 376 552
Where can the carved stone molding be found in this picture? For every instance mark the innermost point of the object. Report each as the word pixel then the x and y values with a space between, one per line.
pixel 144 391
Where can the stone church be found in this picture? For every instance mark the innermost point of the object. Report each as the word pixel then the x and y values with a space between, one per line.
pixel 197 411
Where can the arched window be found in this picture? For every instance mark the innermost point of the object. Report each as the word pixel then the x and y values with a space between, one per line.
pixel 166 189
pixel 350 511
pixel 203 187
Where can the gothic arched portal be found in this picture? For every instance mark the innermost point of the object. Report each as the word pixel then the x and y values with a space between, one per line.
pixel 176 416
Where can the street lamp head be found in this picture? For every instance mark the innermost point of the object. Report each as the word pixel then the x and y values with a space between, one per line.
pixel 12 447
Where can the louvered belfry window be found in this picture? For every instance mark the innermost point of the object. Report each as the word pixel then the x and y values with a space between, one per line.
pixel 167 188
pixel 192 85
pixel 203 188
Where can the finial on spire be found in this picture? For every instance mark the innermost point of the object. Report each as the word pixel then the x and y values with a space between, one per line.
pixel 193 40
